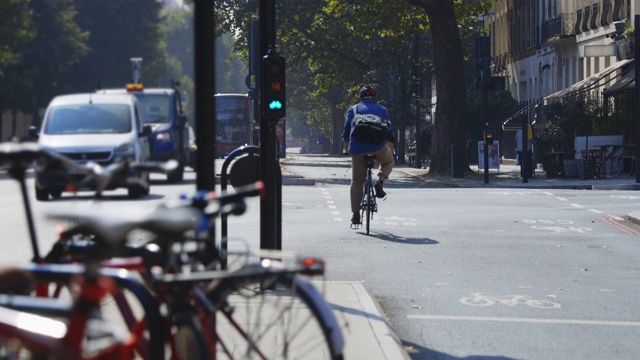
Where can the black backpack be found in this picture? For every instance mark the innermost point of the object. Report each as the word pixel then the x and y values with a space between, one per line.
pixel 369 128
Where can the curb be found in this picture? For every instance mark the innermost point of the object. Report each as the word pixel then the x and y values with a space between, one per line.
pixel 389 345
pixel 634 217
pixel 297 180
pixel 465 184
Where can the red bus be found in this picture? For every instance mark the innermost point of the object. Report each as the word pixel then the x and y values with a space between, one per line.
pixel 234 122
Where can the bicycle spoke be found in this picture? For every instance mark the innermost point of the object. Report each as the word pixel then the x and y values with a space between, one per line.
pixel 268 324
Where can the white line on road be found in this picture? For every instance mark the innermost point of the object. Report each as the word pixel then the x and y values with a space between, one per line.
pixel 577 206
pixel 596 211
pixel 562 199
pixel 525 320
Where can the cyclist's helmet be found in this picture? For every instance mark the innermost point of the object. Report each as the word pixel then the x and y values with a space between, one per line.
pixel 366 92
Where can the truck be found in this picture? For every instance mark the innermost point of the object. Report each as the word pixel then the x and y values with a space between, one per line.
pixel 163 111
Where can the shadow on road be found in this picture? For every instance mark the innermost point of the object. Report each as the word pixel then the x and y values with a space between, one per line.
pixel 418 352
pixel 387 236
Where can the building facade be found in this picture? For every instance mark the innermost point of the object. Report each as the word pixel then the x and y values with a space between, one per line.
pixel 544 47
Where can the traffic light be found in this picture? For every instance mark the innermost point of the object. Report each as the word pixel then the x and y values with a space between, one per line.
pixel 272 90
pixel 483 62
pixel 488 137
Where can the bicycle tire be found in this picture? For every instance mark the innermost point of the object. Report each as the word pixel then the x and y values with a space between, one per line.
pixel 365 205
pixel 283 318
pixel 369 189
pixel 187 337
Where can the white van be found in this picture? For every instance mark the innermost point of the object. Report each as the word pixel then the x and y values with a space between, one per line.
pixel 92 127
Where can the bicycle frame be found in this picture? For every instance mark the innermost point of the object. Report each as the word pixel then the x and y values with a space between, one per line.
pixel 67 342
pixel 368 204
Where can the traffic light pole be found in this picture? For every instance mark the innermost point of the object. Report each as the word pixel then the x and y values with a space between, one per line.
pixel 204 90
pixel 270 174
pixel 525 158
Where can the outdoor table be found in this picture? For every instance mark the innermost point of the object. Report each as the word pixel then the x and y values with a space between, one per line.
pixel 594 164
pixel 557 164
pixel 618 153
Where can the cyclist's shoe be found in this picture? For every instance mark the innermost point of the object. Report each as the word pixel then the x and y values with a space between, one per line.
pixel 379 191
pixel 355 219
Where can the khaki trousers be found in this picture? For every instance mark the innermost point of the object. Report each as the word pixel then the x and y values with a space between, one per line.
pixel 384 157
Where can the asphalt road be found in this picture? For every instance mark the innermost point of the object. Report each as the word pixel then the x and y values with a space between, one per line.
pixel 483 273
pixel 478 273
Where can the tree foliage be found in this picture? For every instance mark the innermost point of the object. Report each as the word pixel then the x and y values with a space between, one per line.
pixel 46 60
pixel 51 47
pixel 120 30
pixel 334 46
pixel 15 27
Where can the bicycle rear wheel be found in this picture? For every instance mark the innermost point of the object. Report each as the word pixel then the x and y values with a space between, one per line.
pixel 367 203
pixel 284 317
pixel 188 338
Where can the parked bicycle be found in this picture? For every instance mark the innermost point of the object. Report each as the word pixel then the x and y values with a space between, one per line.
pixel 235 313
pixel 68 328
pixel 238 313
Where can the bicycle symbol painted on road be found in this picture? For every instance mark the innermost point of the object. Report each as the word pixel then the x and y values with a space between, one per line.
pixel 480 299
pixel 552 225
pixel 626 197
pixel 509 193
pixel 396 220
pixel 560 230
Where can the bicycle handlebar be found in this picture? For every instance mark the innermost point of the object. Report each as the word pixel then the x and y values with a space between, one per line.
pixel 27 153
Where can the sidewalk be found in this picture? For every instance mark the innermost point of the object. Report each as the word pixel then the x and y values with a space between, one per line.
pixel 368 336
pixel 508 176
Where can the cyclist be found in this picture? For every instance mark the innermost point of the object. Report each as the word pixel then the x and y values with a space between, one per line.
pixel 358 147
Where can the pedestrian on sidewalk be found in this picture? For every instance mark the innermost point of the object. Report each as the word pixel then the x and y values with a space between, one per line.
pixel 367 130
pixel 520 151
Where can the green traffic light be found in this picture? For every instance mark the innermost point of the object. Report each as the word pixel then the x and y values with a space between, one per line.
pixel 275 105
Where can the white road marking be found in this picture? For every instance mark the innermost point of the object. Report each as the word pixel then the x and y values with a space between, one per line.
pixel 562 199
pixel 577 206
pixel 526 320
pixel 596 211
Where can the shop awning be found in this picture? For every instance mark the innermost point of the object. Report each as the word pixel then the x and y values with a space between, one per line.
pixel 627 82
pixel 589 83
pixel 513 122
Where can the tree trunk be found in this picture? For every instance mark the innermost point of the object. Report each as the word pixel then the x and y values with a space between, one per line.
pixel 450 123
pixel 337 117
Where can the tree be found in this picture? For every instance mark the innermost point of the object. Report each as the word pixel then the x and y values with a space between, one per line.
pixel 46 60
pixel 15 27
pixel 333 47
pixel 450 123
pixel 120 30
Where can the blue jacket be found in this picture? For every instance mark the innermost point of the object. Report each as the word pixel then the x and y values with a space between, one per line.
pixel 366 106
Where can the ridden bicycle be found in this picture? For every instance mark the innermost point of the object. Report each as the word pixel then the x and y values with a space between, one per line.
pixel 368 205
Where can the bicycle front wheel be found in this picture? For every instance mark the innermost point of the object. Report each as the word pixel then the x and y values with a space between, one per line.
pixel 188 340
pixel 367 204
pixel 281 318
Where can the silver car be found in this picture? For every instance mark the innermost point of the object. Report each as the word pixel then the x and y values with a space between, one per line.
pixel 92 127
